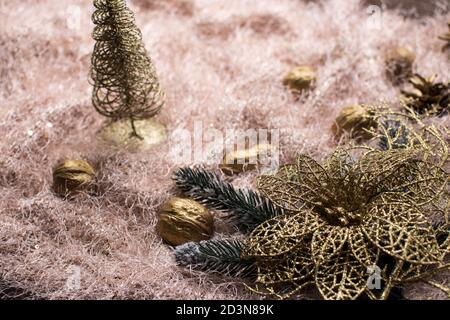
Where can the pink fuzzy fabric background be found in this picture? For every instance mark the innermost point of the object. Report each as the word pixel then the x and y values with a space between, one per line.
pixel 221 62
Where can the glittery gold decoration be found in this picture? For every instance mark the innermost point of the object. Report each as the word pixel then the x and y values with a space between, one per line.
pixel 427 97
pixel 238 161
pixel 301 78
pixel 72 177
pixel 124 78
pixel 117 134
pixel 399 64
pixel 184 220
pixel 355 120
pixel 360 208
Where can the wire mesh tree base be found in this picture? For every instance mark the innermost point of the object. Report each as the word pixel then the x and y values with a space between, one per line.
pixel 120 134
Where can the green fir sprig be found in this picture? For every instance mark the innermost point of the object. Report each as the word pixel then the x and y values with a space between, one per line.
pixel 246 208
pixel 221 256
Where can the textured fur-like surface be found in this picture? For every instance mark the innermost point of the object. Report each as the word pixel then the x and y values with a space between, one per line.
pixel 221 63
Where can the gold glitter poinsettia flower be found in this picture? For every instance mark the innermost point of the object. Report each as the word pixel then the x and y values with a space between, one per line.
pixel 342 216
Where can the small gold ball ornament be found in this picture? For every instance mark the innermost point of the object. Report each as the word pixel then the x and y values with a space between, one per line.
pixel 238 161
pixel 355 120
pixel 183 220
pixel 301 78
pixel 72 177
pixel 399 64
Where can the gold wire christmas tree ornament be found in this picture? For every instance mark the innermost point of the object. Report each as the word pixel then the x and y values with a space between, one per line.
pixel 427 97
pixel 125 84
pixel 243 160
pixel 399 64
pixel 184 220
pixel 356 120
pixel 300 79
pixel 72 177
pixel 117 134
pixel 347 215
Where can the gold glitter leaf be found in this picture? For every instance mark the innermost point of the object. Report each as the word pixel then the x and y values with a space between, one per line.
pixel 328 242
pixel 341 278
pixel 288 172
pixel 342 159
pixel 298 268
pixel 364 251
pixel 424 181
pixel 283 193
pixel 280 234
pixel 401 230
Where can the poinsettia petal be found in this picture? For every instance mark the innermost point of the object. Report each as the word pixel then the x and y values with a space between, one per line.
pixel 288 172
pixel 339 164
pixel 296 267
pixel 377 166
pixel 342 277
pixel 363 250
pixel 402 171
pixel 401 230
pixel 281 234
pixel 412 272
pixel 283 193
pixel 281 291
pixel 311 172
pixel 297 186
pixel 328 241
pixel 420 180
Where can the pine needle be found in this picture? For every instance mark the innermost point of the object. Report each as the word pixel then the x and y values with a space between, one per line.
pixel 245 208
pixel 222 256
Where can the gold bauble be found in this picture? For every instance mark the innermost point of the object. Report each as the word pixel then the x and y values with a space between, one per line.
pixel 399 64
pixel 184 220
pixel 354 120
pixel 119 134
pixel 72 177
pixel 238 161
pixel 301 78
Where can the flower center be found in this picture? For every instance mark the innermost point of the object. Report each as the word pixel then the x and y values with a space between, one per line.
pixel 339 216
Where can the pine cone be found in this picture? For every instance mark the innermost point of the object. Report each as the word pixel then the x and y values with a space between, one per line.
pixel 427 97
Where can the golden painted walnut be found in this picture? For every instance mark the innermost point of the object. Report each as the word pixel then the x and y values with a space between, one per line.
pixel 300 79
pixel 399 64
pixel 243 160
pixel 356 120
pixel 72 177
pixel 184 220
